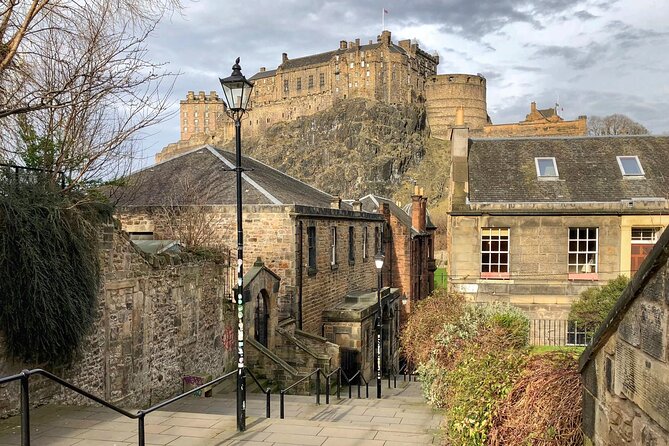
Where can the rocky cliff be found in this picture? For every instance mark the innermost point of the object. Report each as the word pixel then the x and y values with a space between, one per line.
pixel 358 147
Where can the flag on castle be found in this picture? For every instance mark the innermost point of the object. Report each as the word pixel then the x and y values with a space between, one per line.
pixel 383 19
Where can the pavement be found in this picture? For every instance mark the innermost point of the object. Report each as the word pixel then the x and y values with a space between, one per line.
pixel 401 417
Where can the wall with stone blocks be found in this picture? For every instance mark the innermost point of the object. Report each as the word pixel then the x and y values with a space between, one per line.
pixel 538 261
pixel 626 395
pixel 159 318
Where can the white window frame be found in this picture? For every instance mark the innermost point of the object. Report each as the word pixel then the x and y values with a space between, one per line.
pixel 546 158
pixel 622 169
pixel 495 235
pixel 333 246
pixel 643 240
pixel 582 270
pixel 573 334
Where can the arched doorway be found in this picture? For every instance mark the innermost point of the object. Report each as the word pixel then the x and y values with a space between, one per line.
pixel 262 318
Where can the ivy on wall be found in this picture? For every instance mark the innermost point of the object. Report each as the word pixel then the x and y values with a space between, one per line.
pixel 49 271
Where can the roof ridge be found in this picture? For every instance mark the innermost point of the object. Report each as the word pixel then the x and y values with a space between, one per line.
pixel 278 171
pixel 248 179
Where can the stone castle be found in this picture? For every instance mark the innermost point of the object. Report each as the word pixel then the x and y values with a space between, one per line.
pixel 384 71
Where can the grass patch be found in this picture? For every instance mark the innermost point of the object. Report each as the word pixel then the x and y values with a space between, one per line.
pixel 440 278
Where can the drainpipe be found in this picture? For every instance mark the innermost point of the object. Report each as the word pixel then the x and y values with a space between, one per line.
pixel 298 272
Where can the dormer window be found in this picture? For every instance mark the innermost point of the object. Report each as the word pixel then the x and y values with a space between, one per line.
pixel 546 168
pixel 630 166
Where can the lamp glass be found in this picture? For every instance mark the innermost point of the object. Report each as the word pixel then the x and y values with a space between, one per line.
pixel 378 261
pixel 237 93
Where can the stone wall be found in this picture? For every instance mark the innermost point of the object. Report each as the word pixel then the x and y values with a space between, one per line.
pixel 159 318
pixel 626 379
pixel 577 127
pixel 538 261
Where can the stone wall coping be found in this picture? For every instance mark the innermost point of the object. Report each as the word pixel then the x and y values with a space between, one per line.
pixel 657 258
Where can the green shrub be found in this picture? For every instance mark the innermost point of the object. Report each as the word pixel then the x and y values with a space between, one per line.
pixel 49 272
pixel 594 304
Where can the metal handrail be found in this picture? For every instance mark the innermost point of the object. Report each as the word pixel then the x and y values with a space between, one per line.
pixel 25 375
pixel 267 392
pixel 361 377
pixel 282 393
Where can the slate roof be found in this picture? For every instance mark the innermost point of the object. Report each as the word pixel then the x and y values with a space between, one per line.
pixel 503 170
pixel 321 58
pixel 547 112
pixel 204 173
pixel 262 74
pixel 371 203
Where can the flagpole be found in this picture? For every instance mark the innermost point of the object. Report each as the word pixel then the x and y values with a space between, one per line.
pixel 383 19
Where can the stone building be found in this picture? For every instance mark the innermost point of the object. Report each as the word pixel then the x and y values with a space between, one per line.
pixel 535 221
pixel 626 368
pixel 319 248
pixel 408 246
pixel 539 122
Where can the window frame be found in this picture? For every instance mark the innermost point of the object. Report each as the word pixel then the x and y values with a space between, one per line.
pixel 574 333
pixel 333 247
pixel 619 158
pixel 499 252
pixel 578 274
pixel 546 158
pixel 351 245
pixel 312 258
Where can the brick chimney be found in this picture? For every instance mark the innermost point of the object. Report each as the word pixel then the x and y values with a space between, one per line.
pixel 459 182
pixel 284 57
pixel 417 209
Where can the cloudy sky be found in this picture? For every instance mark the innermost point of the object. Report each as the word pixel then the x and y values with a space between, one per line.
pixel 593 57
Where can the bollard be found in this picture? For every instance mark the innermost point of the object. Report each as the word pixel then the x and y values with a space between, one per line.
pixel 327 389
pixel 269 402
pixel 281 406
pixel 25 408
pixel 318 386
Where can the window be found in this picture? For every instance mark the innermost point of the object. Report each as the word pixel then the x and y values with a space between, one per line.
pixel 311 81
pixel 377 241
pixel 367 73
pixel 351 245
pixel 583 253
pixel 321 79
pixel 351 65
pixel 298 85
pixel 494 253
pixel 630 166
pixel 365 255
pixel 546 168
pixel 311 243
pixel 577 335
pixel 362 64
pixel 285 86
pixel 337 76
pixel 643 240
pixel 333 246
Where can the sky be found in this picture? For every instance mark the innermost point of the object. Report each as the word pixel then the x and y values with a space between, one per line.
pixel 592 57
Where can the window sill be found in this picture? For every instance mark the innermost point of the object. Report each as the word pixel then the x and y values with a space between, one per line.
pixel 334 266
pixel 494 275
pixel 311 271
pixel 584 276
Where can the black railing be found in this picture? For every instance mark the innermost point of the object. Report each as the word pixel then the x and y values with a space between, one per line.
pixel 267 392
pixel 25 375
pixel 19 170
pixel 404 370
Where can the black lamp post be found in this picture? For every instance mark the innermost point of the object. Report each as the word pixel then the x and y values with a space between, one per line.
pixel 378 262
pixel 236 92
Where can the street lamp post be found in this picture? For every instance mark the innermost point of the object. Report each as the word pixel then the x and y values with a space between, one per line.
pixel 236 92
pixel 378 261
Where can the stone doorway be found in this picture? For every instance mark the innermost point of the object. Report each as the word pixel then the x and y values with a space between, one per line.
pixel 261 318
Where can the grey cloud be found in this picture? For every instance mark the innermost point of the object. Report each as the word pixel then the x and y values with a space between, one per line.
pixel 585 15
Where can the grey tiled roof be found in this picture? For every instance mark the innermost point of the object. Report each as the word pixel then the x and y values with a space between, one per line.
pixel 503 170
pixel 262 74
pixel 547 112
pixel 205 174
pixel 371 203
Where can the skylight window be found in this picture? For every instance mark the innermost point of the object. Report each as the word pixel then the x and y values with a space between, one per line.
pixel 546 167
pixel 630 166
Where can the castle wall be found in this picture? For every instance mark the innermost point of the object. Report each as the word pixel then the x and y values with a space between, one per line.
pixel 578 127
pixel 445 93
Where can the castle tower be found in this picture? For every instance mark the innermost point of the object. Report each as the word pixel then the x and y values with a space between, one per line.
pixel 201 114
pixel 446 93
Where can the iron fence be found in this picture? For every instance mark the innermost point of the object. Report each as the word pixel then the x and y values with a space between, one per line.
pixel 558 333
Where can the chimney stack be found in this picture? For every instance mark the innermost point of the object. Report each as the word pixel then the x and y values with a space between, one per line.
pixel 284 57
pixel 262 69
pixel 417 210
pixel 533 107
pixel 357 206
pixel 342 45
pixel 335 203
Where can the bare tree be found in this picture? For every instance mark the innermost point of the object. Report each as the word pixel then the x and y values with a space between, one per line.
pixel 74 74
pixel 614 125
pixel 187 218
